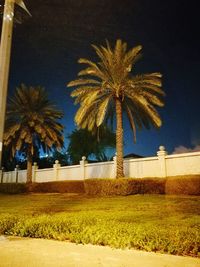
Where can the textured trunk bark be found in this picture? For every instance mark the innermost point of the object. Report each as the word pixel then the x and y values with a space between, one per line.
pixel 29 168
pixel 119 139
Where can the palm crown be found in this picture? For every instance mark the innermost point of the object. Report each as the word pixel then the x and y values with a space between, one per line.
pixel 31 122
pixel 109 83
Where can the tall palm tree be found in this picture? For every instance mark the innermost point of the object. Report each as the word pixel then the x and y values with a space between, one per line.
pixel 109 85
pixel 31 124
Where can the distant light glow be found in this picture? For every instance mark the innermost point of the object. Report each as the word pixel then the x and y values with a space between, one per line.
pixel 44 156
pixel 9 14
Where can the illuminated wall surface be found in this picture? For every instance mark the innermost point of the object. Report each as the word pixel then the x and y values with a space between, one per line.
pixel 162 165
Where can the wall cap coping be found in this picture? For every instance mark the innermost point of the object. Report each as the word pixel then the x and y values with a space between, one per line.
pixel 181 155
pixel 99 163
pixel 141 159
pixel 47 169
pixel 69 167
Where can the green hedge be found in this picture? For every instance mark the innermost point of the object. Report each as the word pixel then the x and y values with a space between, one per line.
pixel 11 188
pixel 58 187
pixel 187 185
pixel 184 185
pixel 49 187
pixel 124 186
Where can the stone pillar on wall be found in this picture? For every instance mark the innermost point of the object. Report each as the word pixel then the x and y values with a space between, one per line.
pixel 1 174
pixel 16 174
pixel 82 167
pixel 115 165
pixel 34 169
pixel 56 167
pixel 162 161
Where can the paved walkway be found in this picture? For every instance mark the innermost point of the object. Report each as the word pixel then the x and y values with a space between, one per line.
pixel 27 252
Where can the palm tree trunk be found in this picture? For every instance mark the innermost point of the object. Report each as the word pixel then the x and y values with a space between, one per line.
pixel 119 139
pixel 29 167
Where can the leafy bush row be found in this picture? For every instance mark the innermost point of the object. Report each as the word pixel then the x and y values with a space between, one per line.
pixel 185 185
pixel 99 231
pixel 11 188
pixel 49 187
pixel 124 186
pixel 58 187
pixel 189 185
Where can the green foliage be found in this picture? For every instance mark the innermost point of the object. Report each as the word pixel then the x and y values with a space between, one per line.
pixel 84 143
pixel 178 185
pixel 101 83
pixel 124 186
pixel 32 124
pixel 31 121
pixel 151 223
pixel 58 187
pixel 42 162
pixel 8 163
pixel 109 87
pixel 185 185
pixel 7 222
pixel 61 156
pixel 11 188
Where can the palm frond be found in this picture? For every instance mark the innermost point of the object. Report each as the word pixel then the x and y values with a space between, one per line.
pixel 102 111
pixel 84 90
pixel 30 118
pixel 132 123
pixel 112 79
pixel 79 82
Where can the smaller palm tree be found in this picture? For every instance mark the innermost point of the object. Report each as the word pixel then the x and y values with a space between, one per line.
pixel 31 124
pixel 85 143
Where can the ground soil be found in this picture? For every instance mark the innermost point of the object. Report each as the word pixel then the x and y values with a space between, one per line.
pixel 28 252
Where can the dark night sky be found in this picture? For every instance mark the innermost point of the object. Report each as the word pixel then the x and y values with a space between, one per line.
pixel 46 48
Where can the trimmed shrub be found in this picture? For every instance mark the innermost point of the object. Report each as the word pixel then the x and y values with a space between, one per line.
pixel 58 187
pixel 152 185
pixel 124 186
pixel 105 187
pixel 186 185
pixel 11 188
pixel 177 185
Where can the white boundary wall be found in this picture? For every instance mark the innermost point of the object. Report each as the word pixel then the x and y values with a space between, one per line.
pixel 162 165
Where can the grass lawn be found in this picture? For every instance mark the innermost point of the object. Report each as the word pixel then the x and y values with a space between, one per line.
pixel 168 224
